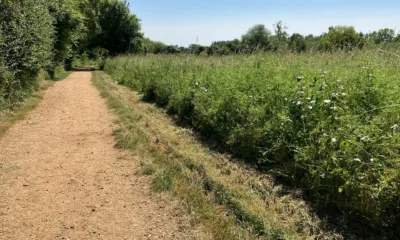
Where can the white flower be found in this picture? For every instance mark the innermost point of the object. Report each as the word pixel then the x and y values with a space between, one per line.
pixel 343 94
pixel 372 160
pixel 309 99
pixel 327 101
pixel 336 95
pixel 364 139
pixel 334 140
pixel 394 127
pixel 299 103
pixel 313 102
pixel 310 107
pixel 357 160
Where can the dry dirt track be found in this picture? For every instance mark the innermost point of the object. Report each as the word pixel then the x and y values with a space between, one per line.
pixel 61 178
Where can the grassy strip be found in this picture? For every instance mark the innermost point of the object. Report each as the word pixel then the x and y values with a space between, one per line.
pixel 19 111
pixel 220 194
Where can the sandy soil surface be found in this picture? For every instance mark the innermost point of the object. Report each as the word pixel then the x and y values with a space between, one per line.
pixel 62 178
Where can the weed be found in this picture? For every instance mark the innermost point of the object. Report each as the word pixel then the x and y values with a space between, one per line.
pixel 325 122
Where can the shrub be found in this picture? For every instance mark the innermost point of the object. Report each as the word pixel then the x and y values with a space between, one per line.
pixel 25 46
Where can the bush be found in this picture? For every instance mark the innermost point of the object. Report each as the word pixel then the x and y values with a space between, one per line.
pixel 25 46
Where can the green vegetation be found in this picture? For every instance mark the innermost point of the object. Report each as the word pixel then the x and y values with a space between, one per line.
pixel 260 39
pixel 327 123
pixel 228 199
pixel 320 112
pixel 41 34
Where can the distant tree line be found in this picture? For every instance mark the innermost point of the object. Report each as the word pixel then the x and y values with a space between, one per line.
pixel 45 34
pixel 259 38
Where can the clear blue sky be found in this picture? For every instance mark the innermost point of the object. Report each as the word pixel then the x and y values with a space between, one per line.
pixel 180 22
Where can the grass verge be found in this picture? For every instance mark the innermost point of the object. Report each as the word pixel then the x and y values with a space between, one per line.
pixel 229 199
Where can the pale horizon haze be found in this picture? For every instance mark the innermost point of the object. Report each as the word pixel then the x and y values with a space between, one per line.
pixel 178 22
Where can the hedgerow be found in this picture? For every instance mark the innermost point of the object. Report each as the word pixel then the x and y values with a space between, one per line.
pixel 329 123
pixel 25 46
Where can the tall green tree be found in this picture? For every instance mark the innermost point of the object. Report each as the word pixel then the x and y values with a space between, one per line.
pixel 257 38
pixel 297 43
pixel 340 37
pixel 280 39
pixel 385 35
pixel 70 29
pixel 120 30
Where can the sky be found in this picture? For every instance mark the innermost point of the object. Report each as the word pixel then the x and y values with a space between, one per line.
pixel 179 22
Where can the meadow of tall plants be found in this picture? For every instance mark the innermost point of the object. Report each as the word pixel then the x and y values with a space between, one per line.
pixel 325 122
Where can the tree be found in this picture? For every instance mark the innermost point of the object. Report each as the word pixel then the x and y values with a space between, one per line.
pixel 340 37
pixel 385 35
pixel 297 43
pixel 70 30
pixel 279 40
pixel 257 37
pixel 120 30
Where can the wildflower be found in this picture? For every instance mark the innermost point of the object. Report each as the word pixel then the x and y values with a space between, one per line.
pixel 309 99
pixel 372 160
pixel 334 140
pixel 323 175
pixel 335 95
pixel 299 102
pixel 343 94
pixel 364 139
pixel 310 107
pixel 313 102
pixel 300 78
pixel 357 160
pixel 394 127
pixel 327 101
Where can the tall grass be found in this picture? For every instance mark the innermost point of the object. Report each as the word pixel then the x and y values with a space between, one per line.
pixel 327 122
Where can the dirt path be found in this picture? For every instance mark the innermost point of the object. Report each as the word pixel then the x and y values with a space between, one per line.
pixel 61 178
